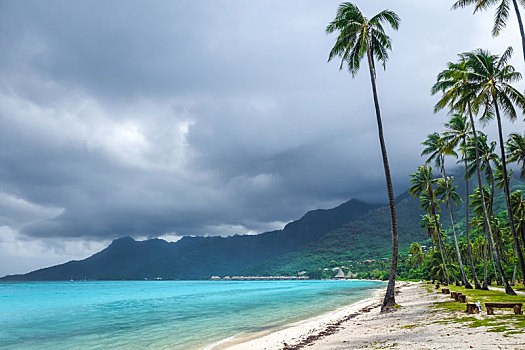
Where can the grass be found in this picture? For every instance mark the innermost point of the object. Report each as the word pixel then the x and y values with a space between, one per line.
pixel 410 326
pixel 518 287
pixel 508 323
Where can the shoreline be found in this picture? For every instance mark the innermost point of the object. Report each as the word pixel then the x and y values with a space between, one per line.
pixel 418 323
pixel 279 337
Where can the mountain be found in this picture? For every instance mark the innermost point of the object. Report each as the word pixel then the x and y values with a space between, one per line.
pixel 202 257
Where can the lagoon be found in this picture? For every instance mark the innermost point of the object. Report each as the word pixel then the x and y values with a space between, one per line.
pixel 160 314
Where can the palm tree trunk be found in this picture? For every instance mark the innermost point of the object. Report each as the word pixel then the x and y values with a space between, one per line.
pixel 389 301
pixel 467 231
pixel 485 258
pixel 520 23
pixel 508 289
pixel 523 237
pixel 438 232
pixel 460 262
pixel 507 193
pixel 497 276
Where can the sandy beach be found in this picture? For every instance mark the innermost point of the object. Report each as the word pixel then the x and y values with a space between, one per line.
pixel 417 324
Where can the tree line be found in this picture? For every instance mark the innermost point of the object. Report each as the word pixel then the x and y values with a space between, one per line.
pixel 478 87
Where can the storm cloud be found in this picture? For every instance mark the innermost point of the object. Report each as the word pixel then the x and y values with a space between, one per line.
pixel 163 119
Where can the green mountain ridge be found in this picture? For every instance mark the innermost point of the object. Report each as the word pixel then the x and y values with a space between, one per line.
pixel 201 257
pixel 322 239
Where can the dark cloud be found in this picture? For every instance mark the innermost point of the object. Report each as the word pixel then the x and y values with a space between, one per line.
pixel 201 117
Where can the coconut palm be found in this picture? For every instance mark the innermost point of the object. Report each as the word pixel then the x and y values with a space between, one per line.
pixel 456 135
pixel 436 148
pixel 516 151
pixel 359 36
pixel 490 84
pixel 446 191
pixel 452 83
pixel 476 202
pixel 461 87
pixel 417 254
pixel 518 210
pixel 489 162
pixel 429 224
pixel 458 131
pixel 421 186
pixel 501 16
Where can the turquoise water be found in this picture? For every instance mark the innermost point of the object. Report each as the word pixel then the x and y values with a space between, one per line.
pixel 159 314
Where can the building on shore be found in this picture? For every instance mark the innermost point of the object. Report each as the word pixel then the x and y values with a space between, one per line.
pixel 340 274
pixel 256 278
pixel 350 274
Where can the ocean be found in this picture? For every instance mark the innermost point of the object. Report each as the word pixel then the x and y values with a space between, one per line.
pixel 160 314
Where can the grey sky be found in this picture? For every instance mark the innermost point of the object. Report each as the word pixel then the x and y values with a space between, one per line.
pixel 201 117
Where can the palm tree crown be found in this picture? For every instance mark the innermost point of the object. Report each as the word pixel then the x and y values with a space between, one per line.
pixel 501 16
pixel 490 80
pixel 516 151
pixel 357 35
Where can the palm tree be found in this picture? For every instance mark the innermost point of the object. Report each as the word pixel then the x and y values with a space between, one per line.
pixel 436 148
pixel 518 209
pixel 446 192
pixel 490 83
pixel 487 156
pixel 477 198
pixel 501 16
pixel 457 132
pixel 417 253
pixel 459 84
pixel 421 186
pixel 516 151
pixel 429 224
pixel 359 36
pixel 452 83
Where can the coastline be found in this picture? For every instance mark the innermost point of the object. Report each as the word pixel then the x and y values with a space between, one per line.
pixel 417 324
pixel 277 338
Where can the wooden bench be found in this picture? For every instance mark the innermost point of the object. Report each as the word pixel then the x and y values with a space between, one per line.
pixel 445 291
pixel 472 308
pixel 516 306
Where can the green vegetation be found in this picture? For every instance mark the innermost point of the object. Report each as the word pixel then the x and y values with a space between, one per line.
pixel 501 321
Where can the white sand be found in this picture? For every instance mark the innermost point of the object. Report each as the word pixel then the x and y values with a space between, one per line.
pixel 410 327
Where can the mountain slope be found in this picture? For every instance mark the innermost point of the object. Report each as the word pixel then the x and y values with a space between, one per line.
pixel 368 236
pixel 200 257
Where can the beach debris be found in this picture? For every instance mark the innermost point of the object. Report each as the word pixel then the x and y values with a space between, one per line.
pixel 331 328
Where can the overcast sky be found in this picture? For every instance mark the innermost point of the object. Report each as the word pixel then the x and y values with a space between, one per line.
pixel 170 118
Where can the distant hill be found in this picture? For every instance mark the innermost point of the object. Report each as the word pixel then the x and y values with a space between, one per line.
pixel 202 257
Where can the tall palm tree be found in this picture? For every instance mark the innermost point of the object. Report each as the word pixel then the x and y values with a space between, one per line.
pixel 452 83
pixel 488 159
pixel 518 209
pixel 457 132
pixel 459 86
pixel 501 16
pixel 436 148
pixel 478 198
pixel 422 182
pixel 446 192
pixel 490 83
pixel 359 36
